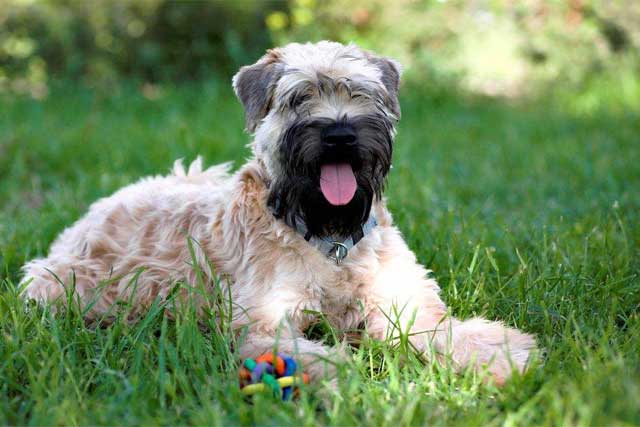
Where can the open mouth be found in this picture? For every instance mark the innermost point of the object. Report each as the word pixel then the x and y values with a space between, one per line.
pixel 338 183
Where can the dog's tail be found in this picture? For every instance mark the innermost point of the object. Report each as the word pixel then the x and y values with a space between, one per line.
pixel 195 173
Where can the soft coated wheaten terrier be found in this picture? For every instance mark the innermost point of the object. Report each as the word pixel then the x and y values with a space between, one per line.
pixel 300 228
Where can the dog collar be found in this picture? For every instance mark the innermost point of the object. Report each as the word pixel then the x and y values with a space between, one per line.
pixel 336 247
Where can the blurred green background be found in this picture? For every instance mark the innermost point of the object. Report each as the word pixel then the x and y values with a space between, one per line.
pixel 493 47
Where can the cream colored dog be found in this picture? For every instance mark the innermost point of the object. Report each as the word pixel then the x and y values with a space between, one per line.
pixel 300 227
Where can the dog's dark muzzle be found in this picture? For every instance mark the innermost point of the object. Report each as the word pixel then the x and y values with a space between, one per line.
pixel 340 144
pixel 339 135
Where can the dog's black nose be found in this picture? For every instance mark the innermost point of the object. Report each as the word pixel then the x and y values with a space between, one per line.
pixel 339 134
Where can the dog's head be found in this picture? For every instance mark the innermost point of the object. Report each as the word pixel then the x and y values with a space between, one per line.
pixel 323 116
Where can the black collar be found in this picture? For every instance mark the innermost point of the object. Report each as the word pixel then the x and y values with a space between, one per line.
pixel 334 246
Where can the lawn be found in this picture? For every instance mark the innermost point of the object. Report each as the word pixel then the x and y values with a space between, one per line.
pixel 525 212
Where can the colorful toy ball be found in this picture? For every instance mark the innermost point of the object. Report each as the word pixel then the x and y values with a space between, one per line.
pixel 268 372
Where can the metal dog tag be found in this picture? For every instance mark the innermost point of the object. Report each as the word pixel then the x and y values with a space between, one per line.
pixel 340 252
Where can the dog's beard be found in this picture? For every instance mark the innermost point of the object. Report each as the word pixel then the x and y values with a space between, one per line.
pixel 296 195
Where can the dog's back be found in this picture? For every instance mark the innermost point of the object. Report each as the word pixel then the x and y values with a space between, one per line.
pixel 142 226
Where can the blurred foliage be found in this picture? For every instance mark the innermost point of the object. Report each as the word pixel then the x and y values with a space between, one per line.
pixel 499 47
pixel 149 39
pixel 494 47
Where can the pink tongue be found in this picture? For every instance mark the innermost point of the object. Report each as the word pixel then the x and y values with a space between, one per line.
pixel 338 183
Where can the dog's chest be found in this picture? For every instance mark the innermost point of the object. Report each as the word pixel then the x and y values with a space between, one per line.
pixel 338 293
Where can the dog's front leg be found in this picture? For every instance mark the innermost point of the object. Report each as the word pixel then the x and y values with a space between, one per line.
pixel 402 296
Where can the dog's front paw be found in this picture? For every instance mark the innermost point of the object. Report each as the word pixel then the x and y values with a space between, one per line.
pixel 483 344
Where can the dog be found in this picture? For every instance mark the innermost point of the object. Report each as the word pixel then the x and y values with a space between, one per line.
pixel 302 227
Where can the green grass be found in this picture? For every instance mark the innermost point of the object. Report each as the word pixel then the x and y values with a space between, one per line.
pixel 527 213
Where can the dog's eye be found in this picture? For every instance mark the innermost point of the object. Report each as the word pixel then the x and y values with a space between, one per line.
pixel 298 100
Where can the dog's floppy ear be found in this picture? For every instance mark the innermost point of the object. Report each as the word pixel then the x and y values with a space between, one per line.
pixel 391 70
pixel 254 86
